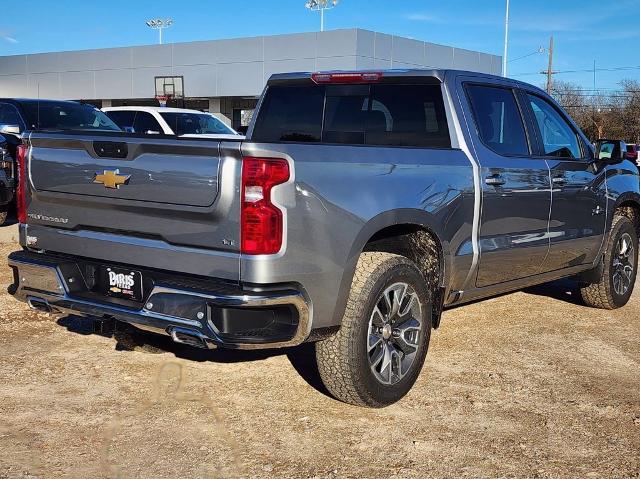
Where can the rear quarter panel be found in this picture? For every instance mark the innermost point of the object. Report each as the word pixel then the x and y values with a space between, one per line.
pixel 341 195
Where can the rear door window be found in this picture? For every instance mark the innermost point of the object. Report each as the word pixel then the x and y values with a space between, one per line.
pixel 498 119
pixel 379 114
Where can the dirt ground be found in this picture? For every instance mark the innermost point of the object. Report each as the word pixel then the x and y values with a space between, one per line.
pixel 531 384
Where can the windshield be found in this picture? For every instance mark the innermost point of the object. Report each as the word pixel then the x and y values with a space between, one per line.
pixel 52 115
pixel 183 123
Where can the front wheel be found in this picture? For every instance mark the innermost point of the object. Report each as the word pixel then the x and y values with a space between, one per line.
pixel 615 286
pixel 377 355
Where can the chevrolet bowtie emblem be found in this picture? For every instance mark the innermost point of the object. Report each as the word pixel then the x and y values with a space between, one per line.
pixel 111 178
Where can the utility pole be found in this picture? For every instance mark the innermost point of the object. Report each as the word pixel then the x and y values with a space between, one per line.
pixel 550 71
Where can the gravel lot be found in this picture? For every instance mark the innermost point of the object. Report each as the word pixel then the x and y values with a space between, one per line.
pixel 531 384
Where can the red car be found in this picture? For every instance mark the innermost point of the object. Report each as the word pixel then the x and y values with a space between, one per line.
pixel 632 152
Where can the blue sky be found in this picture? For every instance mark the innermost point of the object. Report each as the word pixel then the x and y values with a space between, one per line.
pixel 584 30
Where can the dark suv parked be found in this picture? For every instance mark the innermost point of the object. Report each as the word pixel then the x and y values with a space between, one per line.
pixel 19 115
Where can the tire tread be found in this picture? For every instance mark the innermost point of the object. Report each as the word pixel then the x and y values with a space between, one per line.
pixel 599 295
pixel 336 366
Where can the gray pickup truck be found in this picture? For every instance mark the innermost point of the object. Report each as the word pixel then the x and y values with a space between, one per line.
pixel 359 206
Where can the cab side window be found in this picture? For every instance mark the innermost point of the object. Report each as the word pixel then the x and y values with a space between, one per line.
pixel 498 119
pixel 558 138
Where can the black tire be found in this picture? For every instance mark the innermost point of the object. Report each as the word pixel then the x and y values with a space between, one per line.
pixel 344 359
pixel 606 294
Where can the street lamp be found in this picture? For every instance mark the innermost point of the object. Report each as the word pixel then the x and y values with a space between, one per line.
pixel 159 24
pixel 321 6
pixel 506 41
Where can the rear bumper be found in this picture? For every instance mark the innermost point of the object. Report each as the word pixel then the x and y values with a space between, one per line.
pixel 200 313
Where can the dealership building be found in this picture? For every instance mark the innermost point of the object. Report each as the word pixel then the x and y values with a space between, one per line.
pixel 224 77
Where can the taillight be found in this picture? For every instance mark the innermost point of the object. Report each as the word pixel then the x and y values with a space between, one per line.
pixel 261 226
pixel 347 77
pixel 21 188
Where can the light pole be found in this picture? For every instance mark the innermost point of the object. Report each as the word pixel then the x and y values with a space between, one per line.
pixel 321 6
pixel 506 41
pixel 159 24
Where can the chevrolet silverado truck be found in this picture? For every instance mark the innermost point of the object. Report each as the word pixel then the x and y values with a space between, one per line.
pixel 359 206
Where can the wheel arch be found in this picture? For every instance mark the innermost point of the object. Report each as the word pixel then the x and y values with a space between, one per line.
pixel 381 232
pixel 627 204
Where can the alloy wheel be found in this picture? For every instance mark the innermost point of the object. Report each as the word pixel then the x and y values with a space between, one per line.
pixel 395 329
pixel 623 264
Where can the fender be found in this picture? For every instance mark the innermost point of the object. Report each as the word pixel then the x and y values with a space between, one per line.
pixel 623 186
pixel 628 197
pixel 405 216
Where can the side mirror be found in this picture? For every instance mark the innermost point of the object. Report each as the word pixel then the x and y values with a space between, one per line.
pixel 611 151
pixel 10 129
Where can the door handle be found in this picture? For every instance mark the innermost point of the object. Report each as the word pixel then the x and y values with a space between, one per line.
pixel 559 180
pixel 495 180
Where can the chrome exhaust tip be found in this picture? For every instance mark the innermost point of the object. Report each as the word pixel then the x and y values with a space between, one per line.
pixel 191 337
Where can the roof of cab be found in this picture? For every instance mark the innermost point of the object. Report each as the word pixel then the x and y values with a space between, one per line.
pixel 438 74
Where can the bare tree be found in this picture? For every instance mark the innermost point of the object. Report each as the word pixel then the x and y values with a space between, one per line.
pixel 631 113
pixel 601 114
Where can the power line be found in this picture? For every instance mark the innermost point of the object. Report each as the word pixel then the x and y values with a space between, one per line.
pixel 590 95
pixel 590 70
pixel 537 52
pixel 597 90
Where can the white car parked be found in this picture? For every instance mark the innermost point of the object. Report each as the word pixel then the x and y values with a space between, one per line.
pixel 170 121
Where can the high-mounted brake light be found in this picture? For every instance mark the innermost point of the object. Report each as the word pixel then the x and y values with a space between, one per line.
pixel 21 187
pixel 347 77
pixel 261 225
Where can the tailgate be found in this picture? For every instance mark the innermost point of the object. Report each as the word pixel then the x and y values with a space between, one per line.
pixel 161 172
pixel 127 199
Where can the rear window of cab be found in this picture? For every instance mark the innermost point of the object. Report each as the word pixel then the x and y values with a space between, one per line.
pixel 361 114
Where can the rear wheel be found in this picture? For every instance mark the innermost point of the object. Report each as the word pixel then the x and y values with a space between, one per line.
pixel 377 355
pixel 615 286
